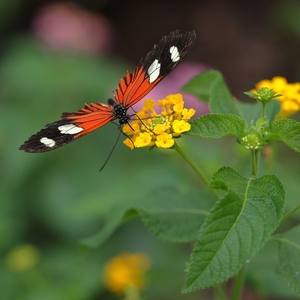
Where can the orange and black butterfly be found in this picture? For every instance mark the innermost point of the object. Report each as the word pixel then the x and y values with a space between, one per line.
pixel 157 64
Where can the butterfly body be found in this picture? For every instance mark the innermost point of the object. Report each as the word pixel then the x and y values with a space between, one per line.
pixel 157 64
pixel 119 111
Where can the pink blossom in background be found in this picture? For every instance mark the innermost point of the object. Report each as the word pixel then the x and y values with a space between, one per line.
pixel 66 26
pixel 174 82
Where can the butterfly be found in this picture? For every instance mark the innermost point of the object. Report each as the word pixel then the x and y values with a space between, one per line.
pixel 156 65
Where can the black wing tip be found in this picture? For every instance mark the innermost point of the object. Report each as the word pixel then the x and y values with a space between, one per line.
pixel 23 147
pixel 186 39
pixel 33 146
pixel 189 35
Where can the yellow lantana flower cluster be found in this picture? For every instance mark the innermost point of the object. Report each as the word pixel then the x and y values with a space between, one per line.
pixel 126 270
pixel 290 99
pixel 150 128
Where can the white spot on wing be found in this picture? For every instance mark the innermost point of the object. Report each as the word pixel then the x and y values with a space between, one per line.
pixel 174 54
pixel 69 129
pixel 47 142
pixel 154 70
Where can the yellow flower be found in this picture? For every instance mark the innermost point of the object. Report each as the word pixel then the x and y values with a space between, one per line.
pixel 180 126
pixel 164 140
pixel 129 143
pixel 22 258
pixel 143 140
pixel 188 113
pixel 149 105
pixel 159 129
pixel 126 270
pixel 290 99
pixel 130 129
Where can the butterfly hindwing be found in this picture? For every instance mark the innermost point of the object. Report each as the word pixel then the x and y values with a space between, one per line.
pixel 54 135
pixel 70 127
pixel 156 65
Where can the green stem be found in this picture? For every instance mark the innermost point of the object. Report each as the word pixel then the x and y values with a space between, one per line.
pixel 292 211
pixel 195 168
pixel 220 292
pixel 254 163
pixel 238 284
pixel 264 109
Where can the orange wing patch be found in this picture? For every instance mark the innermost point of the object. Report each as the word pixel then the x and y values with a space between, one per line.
pixel 90 118
pixel 133 87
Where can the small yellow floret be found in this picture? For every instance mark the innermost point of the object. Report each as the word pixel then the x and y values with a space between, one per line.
pixel 143 140
pixel 149 104
pixel 175 99
pixel 164 140
pixel 133 128
pixel 188 113
pixel 180 126
pixel 160 128
pixel 129 143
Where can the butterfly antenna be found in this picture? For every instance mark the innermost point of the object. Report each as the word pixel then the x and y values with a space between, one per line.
pixel 111 151
pixel 114 146
pixel 136 115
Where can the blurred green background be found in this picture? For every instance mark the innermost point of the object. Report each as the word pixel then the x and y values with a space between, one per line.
pixel 56 56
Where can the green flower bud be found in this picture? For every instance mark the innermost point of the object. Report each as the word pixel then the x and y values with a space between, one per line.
pixel 263 95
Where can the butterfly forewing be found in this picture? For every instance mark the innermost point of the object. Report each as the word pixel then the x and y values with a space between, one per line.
pixel 157 64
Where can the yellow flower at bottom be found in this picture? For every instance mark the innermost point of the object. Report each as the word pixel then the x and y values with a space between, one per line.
pixel 144 139
pixel 126 270
pixel 164 140
pixel 22 258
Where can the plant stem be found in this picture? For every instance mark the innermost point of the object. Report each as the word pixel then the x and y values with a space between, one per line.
pixel 238 284
pixel 220 292
pixel 264 109
pixel 254 163
pixel 292 211
pixel 195 168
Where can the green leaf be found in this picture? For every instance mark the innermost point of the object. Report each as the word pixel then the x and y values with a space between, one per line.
pixel 273 109
pixel 287 131
pixel 210 87
pixel 253 111
pixel 221 101
pixel 200 85
pixel 238 226
pixel 175 216
pixel 289 258
pixel 213 126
